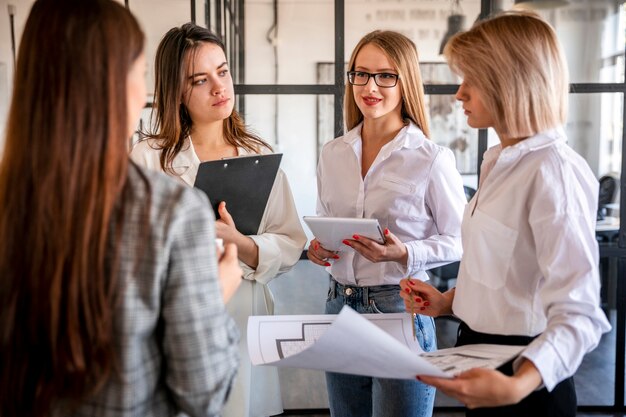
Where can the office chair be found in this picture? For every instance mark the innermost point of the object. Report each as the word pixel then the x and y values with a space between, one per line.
pixel 608 195
pixel 469 192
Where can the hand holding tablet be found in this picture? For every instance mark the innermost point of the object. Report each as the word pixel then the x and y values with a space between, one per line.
pixel 332 231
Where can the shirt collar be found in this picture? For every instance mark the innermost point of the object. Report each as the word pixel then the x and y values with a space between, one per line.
pixel 538 141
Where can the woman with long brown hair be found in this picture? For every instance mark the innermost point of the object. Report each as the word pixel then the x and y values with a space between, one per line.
pixel 193 121
pixel 110 302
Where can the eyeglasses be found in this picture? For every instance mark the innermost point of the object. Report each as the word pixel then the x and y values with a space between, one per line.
pixel 382 79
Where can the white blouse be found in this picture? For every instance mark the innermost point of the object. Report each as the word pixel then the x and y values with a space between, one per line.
pixel 530 262
pixel 280 238
pixel 413 188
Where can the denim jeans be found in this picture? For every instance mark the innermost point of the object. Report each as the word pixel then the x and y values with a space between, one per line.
pixel 360 396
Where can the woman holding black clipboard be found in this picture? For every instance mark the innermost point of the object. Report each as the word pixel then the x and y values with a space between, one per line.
pixel 195 122
pixel 385 168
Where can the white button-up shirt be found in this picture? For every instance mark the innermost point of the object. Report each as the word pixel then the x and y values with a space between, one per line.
pixel 530 262
pixel 413 188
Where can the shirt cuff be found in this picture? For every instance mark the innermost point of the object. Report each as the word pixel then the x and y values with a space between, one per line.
pixel 269 261
pixel 547 361
pixel 415 260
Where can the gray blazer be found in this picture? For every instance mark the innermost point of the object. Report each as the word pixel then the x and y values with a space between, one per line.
pixel 177 345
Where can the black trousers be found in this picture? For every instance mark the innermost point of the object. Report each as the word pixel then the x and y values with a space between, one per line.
pixel 560 402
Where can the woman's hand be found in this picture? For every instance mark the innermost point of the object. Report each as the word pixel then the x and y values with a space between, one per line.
pixel 488 388
pixel 225 229
pixel 393 250
pixel 229 271
pixel 422 298
pixel 318 255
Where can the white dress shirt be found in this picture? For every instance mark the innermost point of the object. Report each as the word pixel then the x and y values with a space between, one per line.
pixel 530 262
pixel 413 188
pixel 280 240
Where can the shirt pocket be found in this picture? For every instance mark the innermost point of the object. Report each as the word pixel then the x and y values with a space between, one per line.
pixel 492 244
pixel 405 198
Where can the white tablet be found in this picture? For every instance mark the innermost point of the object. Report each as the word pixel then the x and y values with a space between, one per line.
pixel 331 231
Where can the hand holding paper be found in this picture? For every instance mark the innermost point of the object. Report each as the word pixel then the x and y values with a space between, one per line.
pixel 489 388
pixel 378 345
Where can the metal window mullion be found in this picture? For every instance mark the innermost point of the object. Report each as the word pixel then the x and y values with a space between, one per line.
pixel 339 65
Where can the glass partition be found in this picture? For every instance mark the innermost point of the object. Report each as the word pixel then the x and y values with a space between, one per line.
pixel 594 130
pixel 293 125
pixel 284 40
pixel 426 22
pixel 592 35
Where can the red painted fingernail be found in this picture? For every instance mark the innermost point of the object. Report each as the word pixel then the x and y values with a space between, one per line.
pixel 426 304
pixel 407 290
pixel 316 246
pixel 422 308
pixel 386 231
pixel 345 242
pixel 326 264
pixel 411 283
pixel 355 237
pixel 335 257
pixel 418 300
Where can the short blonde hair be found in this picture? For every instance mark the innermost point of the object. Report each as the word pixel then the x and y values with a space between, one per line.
pixel 517 63
pixel 402 52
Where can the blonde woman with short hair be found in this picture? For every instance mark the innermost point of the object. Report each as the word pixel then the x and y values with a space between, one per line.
pixel 386 168
pixel 529 271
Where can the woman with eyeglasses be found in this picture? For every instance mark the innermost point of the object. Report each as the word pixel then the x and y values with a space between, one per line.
pixel 529 274
pixel 386 168
pixel 195 121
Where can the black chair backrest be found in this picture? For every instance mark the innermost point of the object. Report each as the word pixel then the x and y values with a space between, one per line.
pixel 608 190
pixel 469 192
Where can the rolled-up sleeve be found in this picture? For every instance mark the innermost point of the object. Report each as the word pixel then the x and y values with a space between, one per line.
pixel 282 239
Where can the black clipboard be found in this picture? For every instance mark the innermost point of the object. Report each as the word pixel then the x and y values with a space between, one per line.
pixel 244 183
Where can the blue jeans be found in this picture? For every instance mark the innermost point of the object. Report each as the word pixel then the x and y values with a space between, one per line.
pixel 360 396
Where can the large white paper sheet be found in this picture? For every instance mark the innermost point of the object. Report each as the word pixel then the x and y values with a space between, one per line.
pixel 378 345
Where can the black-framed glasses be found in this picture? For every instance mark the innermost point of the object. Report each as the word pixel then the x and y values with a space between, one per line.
pixel 382 79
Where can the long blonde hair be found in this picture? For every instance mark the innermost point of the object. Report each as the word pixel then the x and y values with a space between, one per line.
pixel 403 54
pixel 515 60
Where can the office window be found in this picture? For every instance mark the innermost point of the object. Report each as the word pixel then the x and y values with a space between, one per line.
pixel 285 39
pixel 592 35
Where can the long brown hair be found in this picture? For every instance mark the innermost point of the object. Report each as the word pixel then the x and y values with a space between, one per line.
pixel 63 178
pixel 403 54
pixel 170 120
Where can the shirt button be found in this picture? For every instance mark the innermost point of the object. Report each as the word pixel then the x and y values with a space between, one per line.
pixel 348 291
